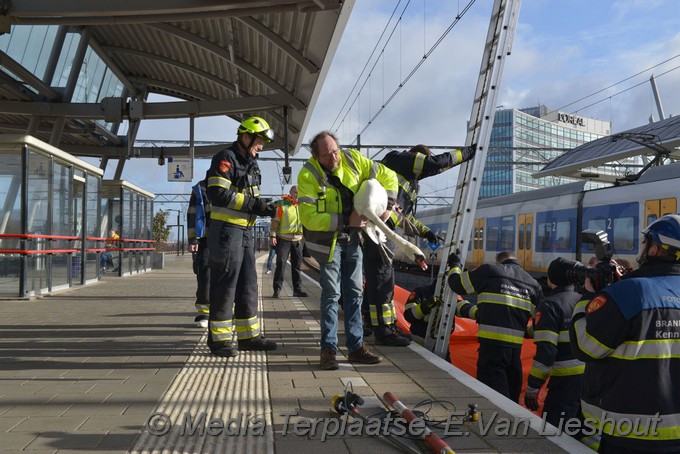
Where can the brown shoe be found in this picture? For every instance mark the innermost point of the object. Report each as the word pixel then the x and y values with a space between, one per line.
pixel 328 361
pixel 364 355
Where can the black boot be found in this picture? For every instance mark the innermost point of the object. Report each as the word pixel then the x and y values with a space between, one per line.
pixel 258 343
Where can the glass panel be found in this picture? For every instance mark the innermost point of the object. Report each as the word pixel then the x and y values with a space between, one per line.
pixel 66 59
pixel 60 270
pixel 563 234
pixel 624 234
pixel 520 237
pixel 38 185
pixel 543 239
pixel 62 216
pixel 595 224
pixel 10 195
pixel 507 237
pixel 528 237
pixel 36 274
pixel 492 238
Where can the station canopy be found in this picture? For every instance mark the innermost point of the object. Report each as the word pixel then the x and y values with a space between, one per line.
pixel 73 71
pixel 655 141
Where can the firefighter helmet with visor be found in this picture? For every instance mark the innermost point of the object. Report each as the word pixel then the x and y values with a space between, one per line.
pixel 665 232
pixel 256 126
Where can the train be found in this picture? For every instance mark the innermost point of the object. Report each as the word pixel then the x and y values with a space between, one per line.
pixel 544 224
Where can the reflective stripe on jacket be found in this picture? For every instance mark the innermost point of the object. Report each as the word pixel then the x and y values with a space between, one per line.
pixel 233 187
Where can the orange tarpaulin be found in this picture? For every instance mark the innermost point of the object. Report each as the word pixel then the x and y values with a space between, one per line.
pixel 463 344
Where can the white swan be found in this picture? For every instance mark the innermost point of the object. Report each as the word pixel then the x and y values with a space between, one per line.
pixel 371 201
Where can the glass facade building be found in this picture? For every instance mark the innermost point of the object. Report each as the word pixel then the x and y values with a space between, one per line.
pixel 523 141
pixel 48 218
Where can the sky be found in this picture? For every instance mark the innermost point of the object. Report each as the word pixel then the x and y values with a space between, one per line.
pixel 591 58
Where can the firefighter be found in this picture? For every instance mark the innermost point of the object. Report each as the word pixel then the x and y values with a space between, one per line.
pixel 419 306
pixel 198 220
pixel 410 166
pixel 507 297
pixel 553 358
pixel 233 189
pixel 285 234
pixel 326 184
pixel 628 335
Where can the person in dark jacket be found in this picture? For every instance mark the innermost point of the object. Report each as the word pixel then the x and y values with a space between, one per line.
pixel 553 357
pixel 628 334
pixel 507 297
pixel 410 166
pixel 198 220
pixel 234 191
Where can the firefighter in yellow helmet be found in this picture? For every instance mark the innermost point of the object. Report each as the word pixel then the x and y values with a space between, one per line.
pixel 233 190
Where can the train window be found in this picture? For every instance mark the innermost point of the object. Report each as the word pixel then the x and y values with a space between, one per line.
pixel 651 218
pixel 595 224
pixel 543 240
pixel 481 238
pixel 492 238
pixel 624 234
pixel 563 235
pixel 507 237
pixel 528 236
pixel 520 237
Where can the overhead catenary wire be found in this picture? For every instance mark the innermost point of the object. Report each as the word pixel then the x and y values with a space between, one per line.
pixel 366 65
pixel 411 73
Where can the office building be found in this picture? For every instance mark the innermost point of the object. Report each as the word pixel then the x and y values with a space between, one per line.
pixel 523 141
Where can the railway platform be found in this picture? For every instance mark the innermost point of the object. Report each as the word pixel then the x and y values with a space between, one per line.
pixel 119 367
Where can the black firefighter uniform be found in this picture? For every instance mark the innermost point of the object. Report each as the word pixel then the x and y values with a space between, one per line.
pixel 233 190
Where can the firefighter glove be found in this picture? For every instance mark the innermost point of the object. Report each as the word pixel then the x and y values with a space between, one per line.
pixel 264 207
pixel 531 398
pixel 431 237
pixel 468 152
pixel 461 305
pixel 455 260
pixel 429 304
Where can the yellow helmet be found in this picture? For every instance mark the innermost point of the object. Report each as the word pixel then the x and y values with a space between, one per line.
pixel 256 126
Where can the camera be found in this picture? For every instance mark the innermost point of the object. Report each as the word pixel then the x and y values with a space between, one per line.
pixel 604 272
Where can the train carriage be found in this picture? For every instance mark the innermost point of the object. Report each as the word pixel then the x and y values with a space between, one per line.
pixel 544 224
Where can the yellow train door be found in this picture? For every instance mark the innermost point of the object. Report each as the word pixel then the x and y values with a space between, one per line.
pixel 525 226
pixel 478 243
pixel 654 209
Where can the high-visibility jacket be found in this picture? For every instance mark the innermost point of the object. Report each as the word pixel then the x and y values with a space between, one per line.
pixel 551 336
pixel 321 201
pixel 507 297
pixel 198 213
pixel 286 225
pixel 629 337
pixel 233 187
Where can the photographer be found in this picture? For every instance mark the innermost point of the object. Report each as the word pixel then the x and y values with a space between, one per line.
pixel 628 335
pixel 553 358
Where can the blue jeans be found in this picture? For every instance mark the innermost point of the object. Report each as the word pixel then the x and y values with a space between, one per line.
pixel 342 274
pixel 272 252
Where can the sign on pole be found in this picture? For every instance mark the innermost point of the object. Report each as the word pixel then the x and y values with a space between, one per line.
pixel 180 169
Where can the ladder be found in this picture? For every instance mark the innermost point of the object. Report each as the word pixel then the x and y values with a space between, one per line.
pixel 497 47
